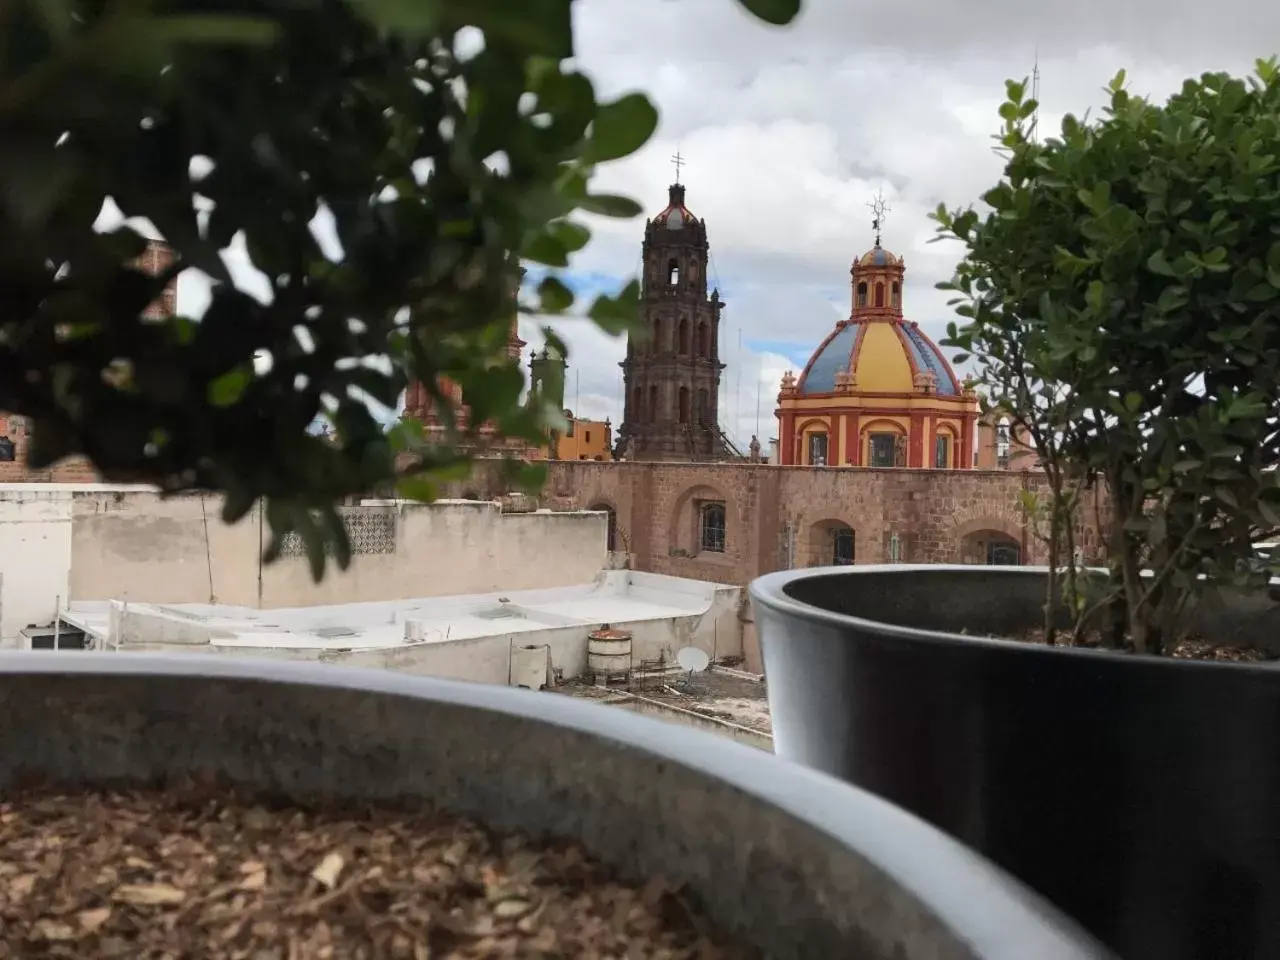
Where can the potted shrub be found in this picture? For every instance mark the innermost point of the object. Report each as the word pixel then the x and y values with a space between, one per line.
pixel 1120 299
pixel 366 830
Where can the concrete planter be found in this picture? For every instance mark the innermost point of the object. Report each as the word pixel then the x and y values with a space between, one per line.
pixel 793 861
pixel 1140 795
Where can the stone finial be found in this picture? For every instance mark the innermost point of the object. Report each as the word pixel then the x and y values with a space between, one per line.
pixel 753 449
pixel 969 387
pixel 926 382
pixel 844 381
pixel 788 384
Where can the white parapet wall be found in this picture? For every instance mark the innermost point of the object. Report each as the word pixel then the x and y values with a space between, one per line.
pixel 96 542
pixel 471 637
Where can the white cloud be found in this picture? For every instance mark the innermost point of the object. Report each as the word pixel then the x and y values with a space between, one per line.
pixel 789 133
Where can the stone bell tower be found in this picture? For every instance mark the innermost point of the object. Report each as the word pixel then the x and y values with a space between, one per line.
pixel 672 371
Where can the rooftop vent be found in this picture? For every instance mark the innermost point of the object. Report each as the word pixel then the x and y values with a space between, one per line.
pixel 330 632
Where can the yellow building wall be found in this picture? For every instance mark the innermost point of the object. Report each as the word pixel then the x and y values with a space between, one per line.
pixel 585 440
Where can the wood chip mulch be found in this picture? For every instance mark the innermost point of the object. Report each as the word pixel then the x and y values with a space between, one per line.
pixel 1188 648
pixel 201 873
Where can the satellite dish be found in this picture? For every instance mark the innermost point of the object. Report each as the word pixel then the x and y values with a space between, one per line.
pixel 692 660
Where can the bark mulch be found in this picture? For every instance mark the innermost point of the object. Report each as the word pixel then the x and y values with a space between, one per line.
pixel 1188 648
pixel 201 872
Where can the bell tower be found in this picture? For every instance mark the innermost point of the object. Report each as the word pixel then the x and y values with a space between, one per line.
pixel 671 375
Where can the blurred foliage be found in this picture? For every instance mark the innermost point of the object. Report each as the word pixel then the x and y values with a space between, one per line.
pixel 1121 298
pixel 447 141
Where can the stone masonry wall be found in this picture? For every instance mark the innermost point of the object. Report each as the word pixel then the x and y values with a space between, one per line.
pixel 779 517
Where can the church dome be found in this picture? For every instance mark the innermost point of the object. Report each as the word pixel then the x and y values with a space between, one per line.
pixel 878 356
pixel 877 256
pixel 675 215
pixel 877 392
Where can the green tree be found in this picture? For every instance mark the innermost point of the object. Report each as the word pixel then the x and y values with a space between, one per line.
pixel 448 141
pixel 1121 297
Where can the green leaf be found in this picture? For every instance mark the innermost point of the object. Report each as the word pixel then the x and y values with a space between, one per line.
pixel 554 296
pixel 213 29
pixel 227 389
pixel 546 249
pixel 1159 264
pixel 616 314
pixel 777 12
pixel 609 205
pixel 620 128
pixel 414 17
pixel 572 236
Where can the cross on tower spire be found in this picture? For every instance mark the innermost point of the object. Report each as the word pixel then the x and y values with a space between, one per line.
pixel 878 210
pixel 679 161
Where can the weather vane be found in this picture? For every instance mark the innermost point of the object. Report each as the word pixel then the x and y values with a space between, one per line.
pixel 878 210
pixel 679 161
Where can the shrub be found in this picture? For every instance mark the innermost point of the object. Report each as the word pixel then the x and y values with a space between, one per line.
pixel 295 108
pixel 1121 298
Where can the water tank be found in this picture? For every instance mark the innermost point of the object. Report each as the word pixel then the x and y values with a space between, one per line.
pixel 608 653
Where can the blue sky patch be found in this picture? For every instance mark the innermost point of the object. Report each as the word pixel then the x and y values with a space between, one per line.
pixel 797 353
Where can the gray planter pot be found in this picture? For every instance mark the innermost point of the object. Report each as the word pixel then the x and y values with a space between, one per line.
pixel 1141 795
pixel 791 860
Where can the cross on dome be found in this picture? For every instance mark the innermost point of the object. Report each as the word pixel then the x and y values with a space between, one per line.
pixel 679 162
pixel 879 209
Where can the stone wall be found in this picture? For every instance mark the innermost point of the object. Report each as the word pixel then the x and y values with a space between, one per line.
pixel 781 517
pixel 776 517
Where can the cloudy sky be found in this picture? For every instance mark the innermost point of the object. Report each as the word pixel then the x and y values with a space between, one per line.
pixel 788 133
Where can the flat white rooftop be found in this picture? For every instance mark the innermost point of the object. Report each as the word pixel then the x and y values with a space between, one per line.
pixel 616 597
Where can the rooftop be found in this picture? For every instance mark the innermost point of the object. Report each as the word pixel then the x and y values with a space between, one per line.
pixel 616 597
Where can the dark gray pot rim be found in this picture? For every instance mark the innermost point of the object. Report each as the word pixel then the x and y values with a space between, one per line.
pixel 770 591
pixel 981 905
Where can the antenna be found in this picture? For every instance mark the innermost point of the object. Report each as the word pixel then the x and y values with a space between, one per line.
pixel 691 661
pixel 1035 95
pixel 577 393
pixel 878 211
pixel 737 391
pixel 679 162
pixel 759 377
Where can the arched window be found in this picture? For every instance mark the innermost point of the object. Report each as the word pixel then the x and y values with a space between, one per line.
pixel 673 272
pixel 637 404
pixel 653 404
pixel 817 449
pixel 1004 443
pixel 1003 553
pixel 711 527
pixel 842 543
pixel 942 450
pixel 702 411
pixel 897 295
pixel 704 345
pixel 684 404
pixel 862 294
pixel 656 346
pixel 879 294
pixel 613 523
pixel 882 449
pixel 682 338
